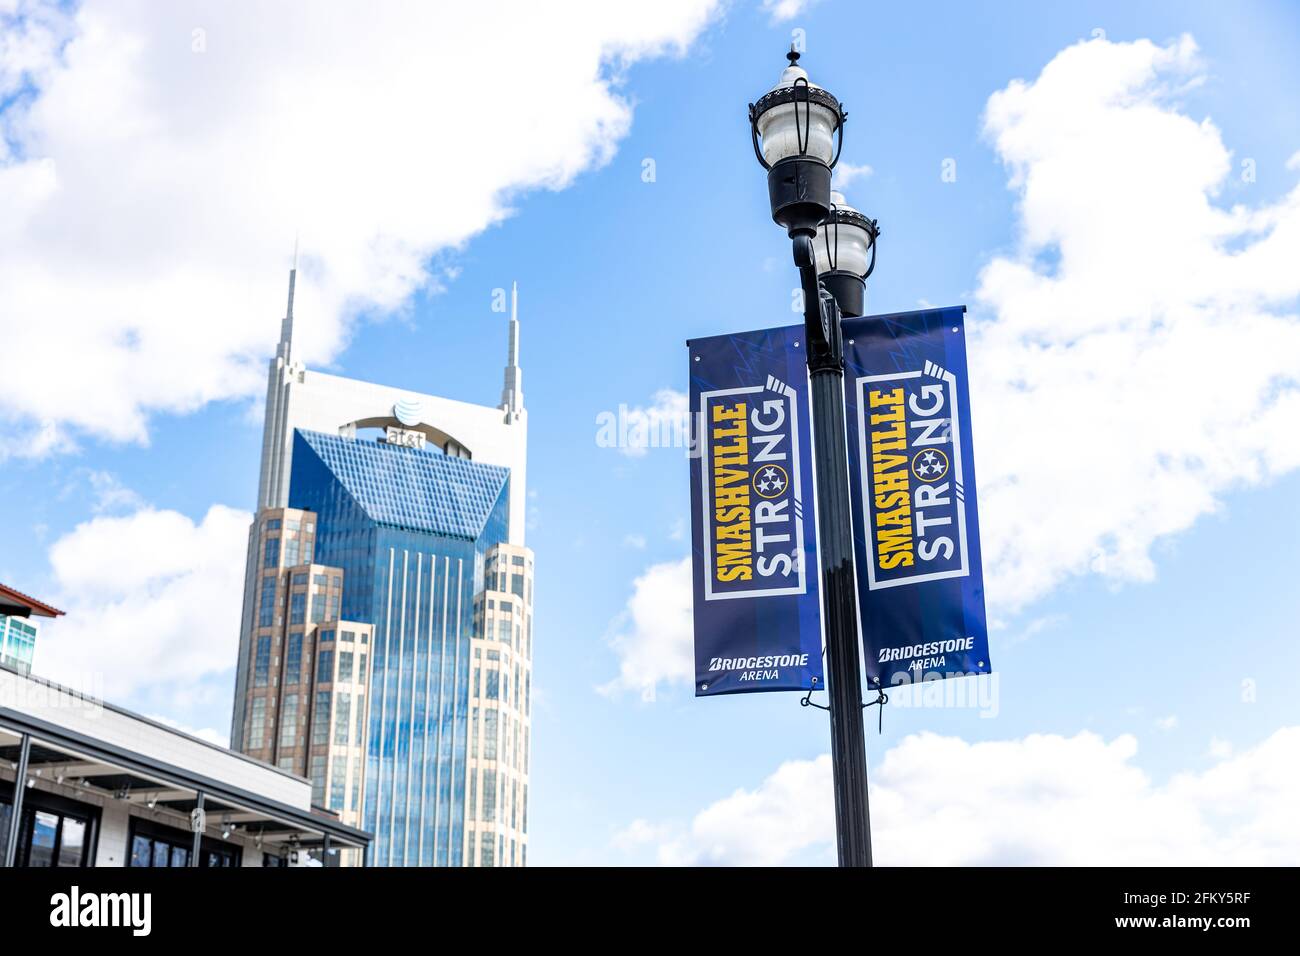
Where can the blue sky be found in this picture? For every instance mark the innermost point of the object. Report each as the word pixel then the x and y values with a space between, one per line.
pixel 1169 619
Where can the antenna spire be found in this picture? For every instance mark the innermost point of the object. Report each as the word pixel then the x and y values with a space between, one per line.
pixel 512 392
pixel 286 324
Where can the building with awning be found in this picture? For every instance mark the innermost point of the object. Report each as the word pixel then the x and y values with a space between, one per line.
pixel 85 783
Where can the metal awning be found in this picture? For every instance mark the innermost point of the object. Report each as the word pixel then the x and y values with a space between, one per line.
pixel 73 761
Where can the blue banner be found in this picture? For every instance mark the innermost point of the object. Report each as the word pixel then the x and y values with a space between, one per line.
pixel 757 616
pixel 912 478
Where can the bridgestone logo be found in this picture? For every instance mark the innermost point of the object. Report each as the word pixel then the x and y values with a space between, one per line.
pixel 926 650
pixel 758 663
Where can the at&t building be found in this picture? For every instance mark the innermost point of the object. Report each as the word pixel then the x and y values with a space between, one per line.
pixel 386 640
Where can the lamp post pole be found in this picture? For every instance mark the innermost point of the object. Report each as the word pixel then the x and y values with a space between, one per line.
pixel 789 120
pixel 835 557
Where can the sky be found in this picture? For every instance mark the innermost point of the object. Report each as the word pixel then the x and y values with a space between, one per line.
pixel 1112 189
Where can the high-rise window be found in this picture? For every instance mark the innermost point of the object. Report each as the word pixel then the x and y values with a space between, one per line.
pixel 293 659
pixel 325 666
pixel 489 734
pixel 345 666
pixel 473 731
pixel 266 605
pixel 493 684
pixel 262 661
pixel 473 798
pixel 356 783
pixel 489 798
pixel 338 784
pixel 291 552
pixel 342 716
pixel 271 557
pixel 256 724
pixel 361 720
pixel 298 608
pixel 289 721
pixel 320 733
pixel 318 779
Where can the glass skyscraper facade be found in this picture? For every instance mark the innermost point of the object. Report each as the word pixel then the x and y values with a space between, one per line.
pixel 411 530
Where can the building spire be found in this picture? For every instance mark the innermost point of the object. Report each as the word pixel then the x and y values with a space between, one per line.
pixel 286 324
pixel 512 392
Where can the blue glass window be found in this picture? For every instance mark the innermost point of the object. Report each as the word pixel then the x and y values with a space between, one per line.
pixel 266 607
pixel 272 554
pixel 342 716
pixel 289 721
pixel 489 802
pixel 320 733
pixel 262 662
pixel 293 659
pixel 298 608
pixel 325 666
pixel 256 723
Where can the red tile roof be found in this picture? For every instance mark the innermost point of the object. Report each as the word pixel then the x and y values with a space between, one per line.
pixel 9 596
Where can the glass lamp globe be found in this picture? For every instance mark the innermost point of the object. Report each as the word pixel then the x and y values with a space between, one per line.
pixel 843 242
pixel 797 118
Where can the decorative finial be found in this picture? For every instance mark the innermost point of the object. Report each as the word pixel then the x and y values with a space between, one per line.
pixel 793 55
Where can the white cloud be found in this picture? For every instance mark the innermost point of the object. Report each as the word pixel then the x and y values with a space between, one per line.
pixel 653 636
pixel 111 495
pixel 635 541
pixel 158 160
pixel 640 833
pixel 633 430
pixel 1139 354
pixel 152 599
pixel 846 174
pixel 941 801
pixel 1167 723
pixel 778 11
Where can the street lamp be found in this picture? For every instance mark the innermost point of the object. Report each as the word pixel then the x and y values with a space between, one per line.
pixel 801 128
pixel 845 249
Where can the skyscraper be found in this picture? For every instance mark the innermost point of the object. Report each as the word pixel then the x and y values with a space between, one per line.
pixel 306 702
pixel 411 508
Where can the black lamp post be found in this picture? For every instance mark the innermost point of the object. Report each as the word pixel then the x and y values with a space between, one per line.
pixel 797 130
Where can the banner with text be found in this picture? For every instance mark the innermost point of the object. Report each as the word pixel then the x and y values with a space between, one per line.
pixel 912 477
pixel 754 569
